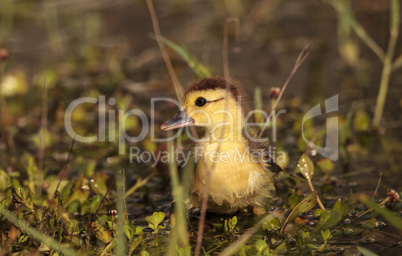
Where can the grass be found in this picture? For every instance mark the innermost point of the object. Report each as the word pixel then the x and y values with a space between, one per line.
pixel 387 69
pixel 36 234
pixel 387 58
pixel 73 210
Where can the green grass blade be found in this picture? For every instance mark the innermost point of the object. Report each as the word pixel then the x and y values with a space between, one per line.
pixel 389 216
pixel 386 71
pixel 305 205
pixel 397 63
pixel 366 252
pixel 37 235
pixel 121 244
pixel 359 30
pixel 178 235
pixel 188 57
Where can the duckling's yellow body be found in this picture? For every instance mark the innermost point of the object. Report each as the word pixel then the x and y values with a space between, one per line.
pixel 239 171
pixel 232 185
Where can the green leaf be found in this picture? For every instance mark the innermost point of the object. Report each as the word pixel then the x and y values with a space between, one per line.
pixel 328 219
pixel 188 57
pixel 281 249
pixel 233 222
pixel 100 232
pixel 132 231
pixel 326 165
pixel 36 234
pixel 370 223
pixel 230 225
pixel 134 244
pixel 306 167
pixel 389 216
pixel 326 235
pixel 144 253
pixel 5 180
pixel 90 205
pixel 307 204
pixel 305 235
pixel 366 252
pixel 340 207
pixel 243 250
pixel 74 206
pixel 321 248
pixel 294 200
pixel 318 212
pixel 184 251
pixel 81 191
pixel 138 230
pixel 262 247
pixel 272 224
pixel 312 246
pixel 155 220
pixel 361 122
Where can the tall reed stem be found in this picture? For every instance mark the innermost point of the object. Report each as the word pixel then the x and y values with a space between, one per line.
pixel 387 68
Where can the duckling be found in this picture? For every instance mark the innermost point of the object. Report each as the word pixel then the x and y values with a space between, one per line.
pixel 239 167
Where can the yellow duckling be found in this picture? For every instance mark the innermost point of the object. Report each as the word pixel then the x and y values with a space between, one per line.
pixel 238 165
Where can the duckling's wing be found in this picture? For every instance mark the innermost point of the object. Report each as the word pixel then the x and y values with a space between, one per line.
pixel 274 167
pixel 260 146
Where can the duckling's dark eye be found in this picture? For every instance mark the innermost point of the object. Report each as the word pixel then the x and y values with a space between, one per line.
pixel 200 101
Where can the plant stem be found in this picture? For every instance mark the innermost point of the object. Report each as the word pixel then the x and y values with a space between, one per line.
pixel 318 198
pixel 121 244
pixel 176 84
pixel 302 56
pixel 397 63
pixel 42 146
pixel 387 68
pixel 179 231
pixel 273 121
pixel 358 29
pixel 225 48
pixel 370 210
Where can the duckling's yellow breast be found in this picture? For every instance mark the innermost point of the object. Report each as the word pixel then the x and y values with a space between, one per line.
pixel 235 175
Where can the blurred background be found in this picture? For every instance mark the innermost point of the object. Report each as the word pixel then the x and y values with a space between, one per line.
pixel 92 48
pixel 54 52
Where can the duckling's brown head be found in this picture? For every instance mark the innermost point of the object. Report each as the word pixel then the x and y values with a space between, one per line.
pixel 209 102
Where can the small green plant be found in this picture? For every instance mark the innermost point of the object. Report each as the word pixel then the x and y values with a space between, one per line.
pixel 262 248
pixel 230 225
pixel 305 241
pixel 326 235
pixel 183 251
pixel 307 204
pixel 272 225
pixel 135 236
pixel 330 218
pixel 306 168
pixel 155 220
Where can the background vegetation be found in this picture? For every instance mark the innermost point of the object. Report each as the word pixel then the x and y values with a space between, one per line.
pixel 58 197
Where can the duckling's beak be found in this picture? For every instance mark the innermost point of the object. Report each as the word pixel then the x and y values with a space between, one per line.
pixel 181 119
